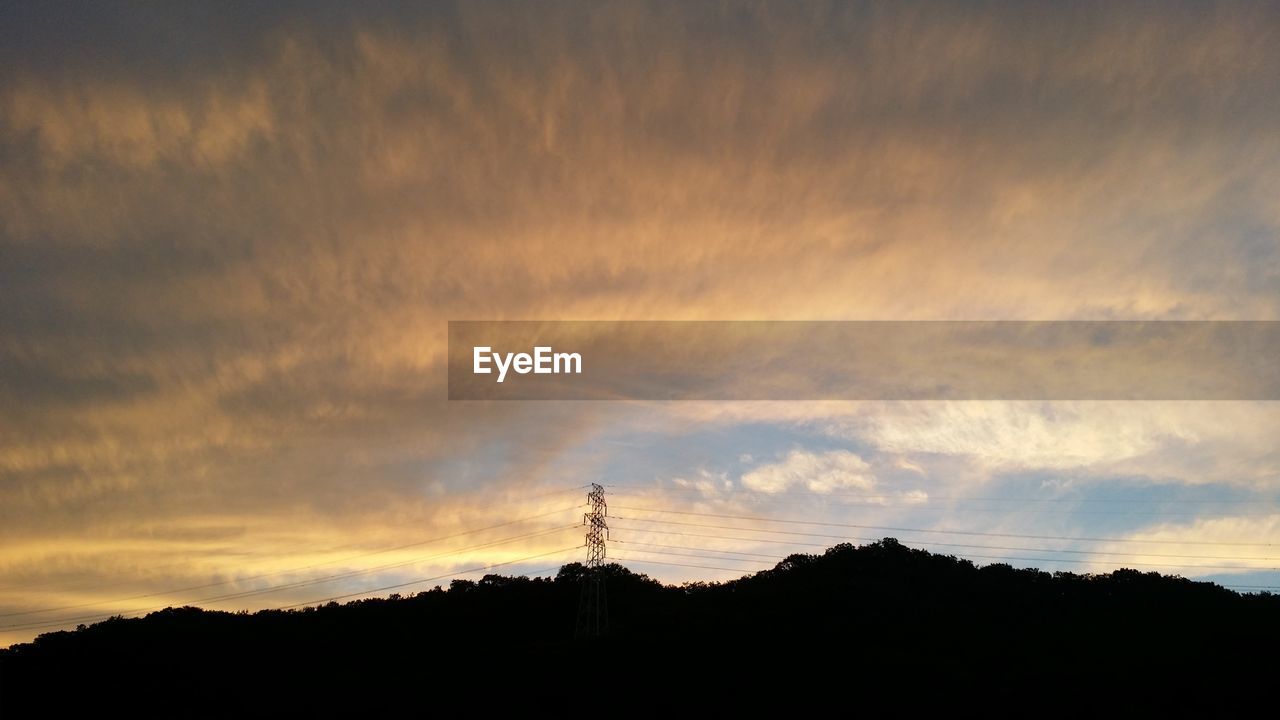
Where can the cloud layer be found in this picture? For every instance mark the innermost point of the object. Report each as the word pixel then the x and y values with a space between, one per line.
pixel 230 239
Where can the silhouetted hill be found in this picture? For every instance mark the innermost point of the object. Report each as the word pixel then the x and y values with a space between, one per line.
pixel 848 625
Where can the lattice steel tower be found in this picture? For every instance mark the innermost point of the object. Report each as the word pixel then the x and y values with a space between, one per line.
pixel 593 605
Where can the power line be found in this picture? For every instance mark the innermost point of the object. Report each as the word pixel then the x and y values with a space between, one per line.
pixel 1007 557
pixel 533 574
pixel 984 557
pixel 706 557
pixel 940 532
pixel 19 587
pixel 740 570
pixel 928 543
pixel 423 580
pixel 1123 563
pixel 746 539
pixel 389 566
pixel 686 547
pixel 288 586
pixel 927 506
pixel 703 567
pixel 339 597
pixel 958 498
pixel 292 570
pixel 549 493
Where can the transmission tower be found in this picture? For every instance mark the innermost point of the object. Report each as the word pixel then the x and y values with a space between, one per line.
pixel 593 605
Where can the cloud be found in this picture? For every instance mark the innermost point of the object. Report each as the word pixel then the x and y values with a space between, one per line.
pixel 819 473
pixel 962 443
pixel 231 240
pixel 707 483
pixel 1238 544
pixel 1183 442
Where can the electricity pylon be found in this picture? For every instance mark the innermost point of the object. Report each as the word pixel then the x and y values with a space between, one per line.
pixel 593 605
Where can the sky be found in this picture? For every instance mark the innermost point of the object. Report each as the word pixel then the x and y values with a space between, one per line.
pixel 232 237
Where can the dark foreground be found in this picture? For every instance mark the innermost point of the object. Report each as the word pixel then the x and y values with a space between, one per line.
pixel 880 626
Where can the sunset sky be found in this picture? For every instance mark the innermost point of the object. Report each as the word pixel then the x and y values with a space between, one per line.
pixel 232 237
